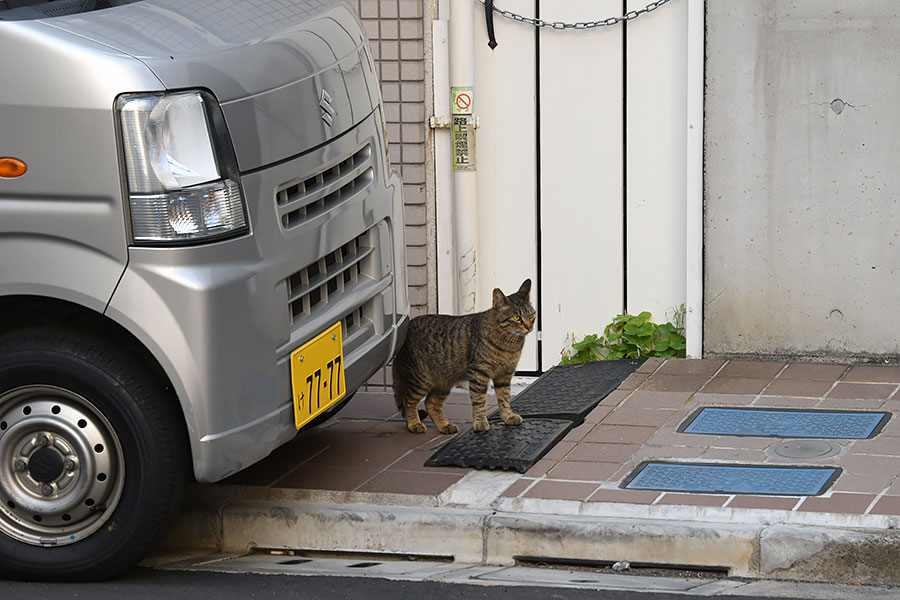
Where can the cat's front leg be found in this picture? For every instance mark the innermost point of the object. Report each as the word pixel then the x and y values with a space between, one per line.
pixel 478 382
pixel 501 388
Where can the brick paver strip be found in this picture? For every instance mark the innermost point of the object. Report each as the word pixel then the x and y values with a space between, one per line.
pixel 872 373
pixel 691 367
pixel 810 371
pixel 540 468
pixel 601 452
pixel 620 434
pixel 855 504
pixel 884 445
pixel 428 484
pixel 798 387
pixel 692 500
pixel 862 390
pixel 768 502
pixel 873 483
pixel 339 479
pixel 633 381
pixel 735 385
pixel 561 490
pixel 626 415
pixel 674 383
pixel 887 505
pixel 646 399
pixel 517 488
pixel 705 399
pixel 852 403
pixel 625 496
pixel 650 365
pixel 752 369
pixel 583 470
pixel 559 450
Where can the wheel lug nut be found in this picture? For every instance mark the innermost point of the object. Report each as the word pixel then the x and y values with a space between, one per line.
pixel 20 465
pixel 70 464
pixel 46 489
pixel 43 441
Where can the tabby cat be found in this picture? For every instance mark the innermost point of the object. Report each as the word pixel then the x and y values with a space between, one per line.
pixel 441 351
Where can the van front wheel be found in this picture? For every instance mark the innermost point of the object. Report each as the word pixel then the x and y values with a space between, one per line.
pixel 91 458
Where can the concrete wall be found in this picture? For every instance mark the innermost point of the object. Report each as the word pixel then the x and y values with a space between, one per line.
pixel 802 226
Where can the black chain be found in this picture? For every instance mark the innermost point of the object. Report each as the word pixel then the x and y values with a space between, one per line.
pixel 580 25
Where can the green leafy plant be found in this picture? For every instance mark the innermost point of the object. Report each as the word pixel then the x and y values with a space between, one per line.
pixel 630 336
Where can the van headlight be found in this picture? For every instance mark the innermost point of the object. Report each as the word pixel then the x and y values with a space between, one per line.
pixel 181 170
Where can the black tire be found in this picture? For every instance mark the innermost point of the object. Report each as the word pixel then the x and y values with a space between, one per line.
pixel 94 405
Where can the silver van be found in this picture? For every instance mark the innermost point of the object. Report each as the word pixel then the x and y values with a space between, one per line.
pixel 201 252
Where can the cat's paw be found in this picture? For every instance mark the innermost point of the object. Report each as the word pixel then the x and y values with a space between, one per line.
pixel 417 427
pixel 481 425
pixel 513 419
pixel 449 428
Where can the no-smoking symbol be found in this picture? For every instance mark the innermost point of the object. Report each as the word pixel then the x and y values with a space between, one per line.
pixel 462 101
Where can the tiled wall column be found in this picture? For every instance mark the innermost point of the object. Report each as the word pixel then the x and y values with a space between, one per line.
pixel 399 33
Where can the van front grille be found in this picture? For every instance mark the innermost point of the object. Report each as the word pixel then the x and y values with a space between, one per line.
pixel 327 279
pixel 301 200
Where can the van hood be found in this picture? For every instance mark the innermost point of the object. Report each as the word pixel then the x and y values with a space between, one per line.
pixel 289 74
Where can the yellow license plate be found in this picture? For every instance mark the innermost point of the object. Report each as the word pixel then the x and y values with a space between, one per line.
pixel 317 375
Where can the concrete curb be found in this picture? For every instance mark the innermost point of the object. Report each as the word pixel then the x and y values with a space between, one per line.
pixel 237 519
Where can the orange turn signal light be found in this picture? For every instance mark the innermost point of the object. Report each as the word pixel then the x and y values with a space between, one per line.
pixel 12 167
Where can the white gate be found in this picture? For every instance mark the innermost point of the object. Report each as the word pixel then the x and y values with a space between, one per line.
pixel 581 164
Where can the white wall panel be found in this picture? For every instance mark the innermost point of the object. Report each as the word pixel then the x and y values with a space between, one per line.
pixel 581 173
pixel 505 104
pixel 656 134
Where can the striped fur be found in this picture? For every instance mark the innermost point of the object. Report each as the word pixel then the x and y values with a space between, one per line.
pixel 441 351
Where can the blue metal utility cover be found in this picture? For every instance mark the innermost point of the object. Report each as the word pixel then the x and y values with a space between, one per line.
pixel 785 423
pixel 717 478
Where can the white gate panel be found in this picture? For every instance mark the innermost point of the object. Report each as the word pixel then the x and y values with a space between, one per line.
pixel 656 170
pixel 505 104
pixel 581 173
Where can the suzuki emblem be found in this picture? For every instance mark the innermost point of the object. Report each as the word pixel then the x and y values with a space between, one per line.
pixel 325 104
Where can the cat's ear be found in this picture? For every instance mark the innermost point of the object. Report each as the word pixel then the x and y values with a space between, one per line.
pixel 499 299
pixel 525 288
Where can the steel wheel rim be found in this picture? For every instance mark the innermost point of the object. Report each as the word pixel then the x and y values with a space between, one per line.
pixel 62 468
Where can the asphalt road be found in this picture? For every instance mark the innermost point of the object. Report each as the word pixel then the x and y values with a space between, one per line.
pixel 142 584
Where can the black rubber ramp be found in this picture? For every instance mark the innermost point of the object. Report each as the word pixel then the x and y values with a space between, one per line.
pixel 510 447
pixel 555 403
pixel 572 391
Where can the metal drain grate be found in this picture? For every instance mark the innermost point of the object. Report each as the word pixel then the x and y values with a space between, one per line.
pixel 785 423
pixel 731 478
pixel 572 391
pixel 503 446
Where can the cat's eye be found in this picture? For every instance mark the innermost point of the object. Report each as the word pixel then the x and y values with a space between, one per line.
pixel 516 318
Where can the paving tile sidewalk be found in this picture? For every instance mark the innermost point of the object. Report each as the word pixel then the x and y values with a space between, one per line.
pixel 366 448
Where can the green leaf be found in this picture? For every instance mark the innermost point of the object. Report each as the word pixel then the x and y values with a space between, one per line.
pixel 645 315
pixel 641 330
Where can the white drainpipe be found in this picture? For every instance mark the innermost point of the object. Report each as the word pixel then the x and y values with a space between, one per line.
pixel 462 74
pixel 694 226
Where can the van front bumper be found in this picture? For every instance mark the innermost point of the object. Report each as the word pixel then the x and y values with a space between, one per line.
pixel 223 318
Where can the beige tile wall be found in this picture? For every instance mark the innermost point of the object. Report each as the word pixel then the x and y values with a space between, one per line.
pixel 399 39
